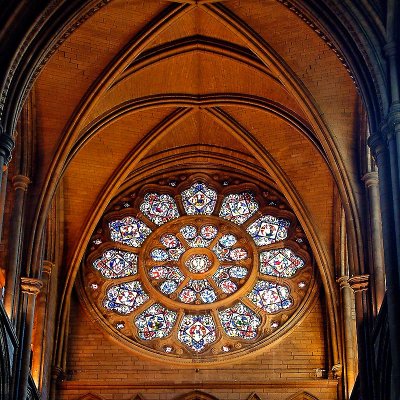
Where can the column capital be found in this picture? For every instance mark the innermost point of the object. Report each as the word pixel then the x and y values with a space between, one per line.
pixel 359 283
pixel 371 179
pixel 337 370
pixel 343 281
pixel 31 285
pixel 377 144
pixel 47 267
pixel 20 182
pixel 390 49
pixel 6 146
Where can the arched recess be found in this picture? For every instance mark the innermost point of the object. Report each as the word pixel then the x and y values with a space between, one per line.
pixel 57 174
pixel 266 55
pixel 197 395
pixel 268 163
pixel 302 396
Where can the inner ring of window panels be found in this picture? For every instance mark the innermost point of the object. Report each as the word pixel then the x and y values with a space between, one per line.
pixel 198 270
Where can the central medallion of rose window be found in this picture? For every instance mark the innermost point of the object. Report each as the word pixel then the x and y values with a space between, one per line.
pixel 198 263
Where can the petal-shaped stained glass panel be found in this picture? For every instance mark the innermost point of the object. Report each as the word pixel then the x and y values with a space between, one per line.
pixel 169 241
pixel 158 254
pixel 280 262
pixel 268 229
pixel 159 208
pixel 187 295
pixel 199 199
pixel 238 272
pixel 197 331
pixel 227 240
pixel 129 231
pixel 208 231
pixel 227 286
pixel 115 263
pixel 168 287
pixel 125 297
pixel 188 232
pixel 270 297
pixel 239 207
pixel 155 322
pixel 240 321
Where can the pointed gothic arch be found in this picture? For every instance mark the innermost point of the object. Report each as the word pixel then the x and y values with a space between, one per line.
pixel 254 396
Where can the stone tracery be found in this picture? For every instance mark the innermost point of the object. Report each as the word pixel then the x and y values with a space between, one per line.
pixel 216 278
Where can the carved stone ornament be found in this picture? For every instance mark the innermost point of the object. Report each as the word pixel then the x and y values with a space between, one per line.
pixel 359 282
pixel 31 285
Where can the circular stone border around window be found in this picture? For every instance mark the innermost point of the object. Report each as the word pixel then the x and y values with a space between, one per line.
pixel 198 273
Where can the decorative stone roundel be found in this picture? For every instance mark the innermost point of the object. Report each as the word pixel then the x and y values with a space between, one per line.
pixel 199 272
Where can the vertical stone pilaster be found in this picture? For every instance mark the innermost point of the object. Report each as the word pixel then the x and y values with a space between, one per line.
pixel 372 184
pixel 349 331
pixel 359 284
pixel 20 184
pixel 44 330
pixel 30 287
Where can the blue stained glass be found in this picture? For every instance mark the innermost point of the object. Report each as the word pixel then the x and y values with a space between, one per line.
pixel 240 321
pixel 159 255
pixel 159 208
pixel 197 331
pixel 125 297
pixel 168 287
pixel 199 199
pixel 226 254
pixel 175 253
pixel 227 240
pixel 268 229
pixel 155 322
pixel 115 263
pixel 238 208
pixel 280 262
pixel 238 272
pixel 270 297
pixel 129 231
pixel 188 232
pixel 208 296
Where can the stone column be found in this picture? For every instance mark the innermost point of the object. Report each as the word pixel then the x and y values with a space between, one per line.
pixel 30 287
pixel 43 338
pixel 392 267
pixel 359 284
pixel 371 183
pixel 349 332
pixel 20 184
pixel 6 147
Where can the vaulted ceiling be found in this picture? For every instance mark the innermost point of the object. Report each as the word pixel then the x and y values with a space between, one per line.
pixel 242 85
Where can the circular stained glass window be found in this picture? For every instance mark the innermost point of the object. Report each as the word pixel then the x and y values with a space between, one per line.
pixel 199 272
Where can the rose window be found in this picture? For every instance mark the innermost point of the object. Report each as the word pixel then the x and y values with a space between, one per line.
pixel 198 271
